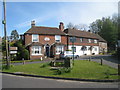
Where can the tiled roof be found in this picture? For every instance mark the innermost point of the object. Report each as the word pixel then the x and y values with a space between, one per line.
pixel 45 30
pixel 35 44
pixel 85 34
pixel 100 38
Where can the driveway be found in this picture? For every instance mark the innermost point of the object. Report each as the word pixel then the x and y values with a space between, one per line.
pixel 107 60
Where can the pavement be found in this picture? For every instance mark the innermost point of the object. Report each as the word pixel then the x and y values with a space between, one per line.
pixel 12 81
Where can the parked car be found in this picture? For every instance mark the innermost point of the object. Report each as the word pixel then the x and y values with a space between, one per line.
pixel 68 54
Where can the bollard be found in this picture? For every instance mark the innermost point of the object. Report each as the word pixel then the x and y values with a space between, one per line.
pixel 118 69
pixel 90 58
pixel 101 61
pixel 23 61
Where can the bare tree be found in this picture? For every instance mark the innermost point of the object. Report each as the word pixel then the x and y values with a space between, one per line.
pixel 78 27
pixel 81 26
pixel 70 25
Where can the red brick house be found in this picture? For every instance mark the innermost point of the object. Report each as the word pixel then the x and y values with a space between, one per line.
pixel 50 41
pixel 45 41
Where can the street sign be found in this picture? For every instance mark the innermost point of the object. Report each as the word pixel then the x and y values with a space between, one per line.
pixel 13 52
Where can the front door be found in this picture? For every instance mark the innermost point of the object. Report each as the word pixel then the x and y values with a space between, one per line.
pixel 47 50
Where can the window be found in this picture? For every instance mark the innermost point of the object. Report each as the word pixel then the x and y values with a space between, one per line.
pixel 59 49
pixel 81 39
pixel 36 50
pixel 57 38
pixel 72 39
pixel 35 38
pixel 73 49
pixel 84 48
pixel 89 40
pixel 95 49
pixel 95 41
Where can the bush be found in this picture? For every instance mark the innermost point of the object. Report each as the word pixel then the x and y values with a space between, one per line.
pixel 63 70
pixel 44 65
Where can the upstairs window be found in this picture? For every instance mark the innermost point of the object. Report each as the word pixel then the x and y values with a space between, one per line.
pixel 57 38
pixel 89 40
pixel 35 38
pixel 72 39
pixel 95 41
pixel 81 39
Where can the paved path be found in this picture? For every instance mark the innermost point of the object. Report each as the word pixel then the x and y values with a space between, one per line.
pixel 12 81
pixel 107 60
pixel 31 62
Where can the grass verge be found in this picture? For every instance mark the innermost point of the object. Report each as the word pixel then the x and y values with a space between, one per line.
pixel 82 69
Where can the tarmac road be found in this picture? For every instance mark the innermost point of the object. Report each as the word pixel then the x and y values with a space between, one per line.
pixel 12 81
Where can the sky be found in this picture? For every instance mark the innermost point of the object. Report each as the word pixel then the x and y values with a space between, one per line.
pixel 20 14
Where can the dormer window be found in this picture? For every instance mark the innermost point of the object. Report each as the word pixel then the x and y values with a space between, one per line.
pixel 35 38
pixel 57 38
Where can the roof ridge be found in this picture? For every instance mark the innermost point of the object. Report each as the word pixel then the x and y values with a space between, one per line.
pixel 46 27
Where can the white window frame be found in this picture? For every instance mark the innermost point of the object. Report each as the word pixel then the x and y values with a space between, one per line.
pixel 89 40
pixel 81 39
pixel 33 37
pixel 36 48
pixel 95 41
pixel 59 48
pixel 57 37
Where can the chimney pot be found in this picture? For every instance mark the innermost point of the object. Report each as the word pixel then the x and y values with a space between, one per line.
pixel 61 26
pixel 32 23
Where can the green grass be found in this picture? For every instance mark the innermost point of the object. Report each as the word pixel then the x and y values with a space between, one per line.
pixel 82 69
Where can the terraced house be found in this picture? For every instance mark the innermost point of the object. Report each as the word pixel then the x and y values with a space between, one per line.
pixel 51 41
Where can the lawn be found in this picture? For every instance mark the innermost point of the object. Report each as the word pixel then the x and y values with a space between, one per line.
pixel 82 69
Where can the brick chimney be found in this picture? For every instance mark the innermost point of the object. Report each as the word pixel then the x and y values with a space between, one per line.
pixel 61 26
pixel 32 23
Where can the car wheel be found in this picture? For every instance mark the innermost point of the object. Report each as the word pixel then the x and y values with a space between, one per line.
pixel 77 56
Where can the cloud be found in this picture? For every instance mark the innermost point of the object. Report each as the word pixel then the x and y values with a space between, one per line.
pixel 77 13
pixel 87 13
pixel 37 20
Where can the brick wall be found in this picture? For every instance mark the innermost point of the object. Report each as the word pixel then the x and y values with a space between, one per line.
pixel 28 39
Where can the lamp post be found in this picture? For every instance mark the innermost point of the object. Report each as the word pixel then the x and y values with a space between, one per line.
pixel 5 35
pixel 73 39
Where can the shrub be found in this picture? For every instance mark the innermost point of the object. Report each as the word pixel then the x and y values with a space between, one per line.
pixel 44 65
pixel 63 70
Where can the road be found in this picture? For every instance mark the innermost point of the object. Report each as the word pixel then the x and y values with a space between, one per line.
pixel 12 81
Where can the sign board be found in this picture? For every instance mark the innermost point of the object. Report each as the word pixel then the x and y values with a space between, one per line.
pixel 13 52
pixel 46 39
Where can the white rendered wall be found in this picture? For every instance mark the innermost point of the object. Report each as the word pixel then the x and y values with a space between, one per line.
pixel 87 52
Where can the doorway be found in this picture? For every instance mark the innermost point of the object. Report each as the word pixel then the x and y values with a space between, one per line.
pixel 47 48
